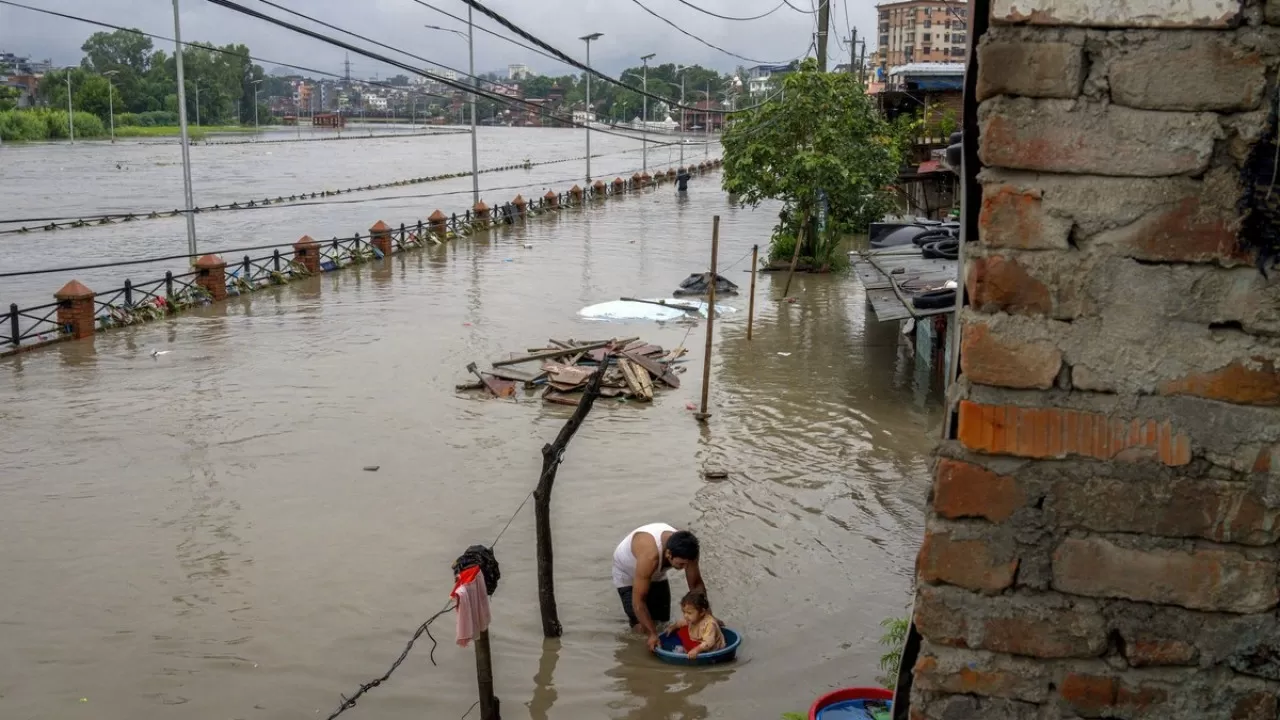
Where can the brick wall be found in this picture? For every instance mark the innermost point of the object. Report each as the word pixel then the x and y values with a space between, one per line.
pixel 1101 540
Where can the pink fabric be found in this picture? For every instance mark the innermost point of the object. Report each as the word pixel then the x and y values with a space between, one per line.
pixel 473 605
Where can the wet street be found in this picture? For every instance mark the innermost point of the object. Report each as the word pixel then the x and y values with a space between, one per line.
pixel 193 536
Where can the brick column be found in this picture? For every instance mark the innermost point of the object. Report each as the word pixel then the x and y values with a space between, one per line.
pixel 1101 536
pixel 75 309
pixel 619 186
pixel 645 180
pixel 380 237
pixel 599 190
pixel 439 223
pixel 306 252
pixel 671 174
pixel 480 213
pixel 551 199
pixel 520 204
pixel 213 276
pixel 575 192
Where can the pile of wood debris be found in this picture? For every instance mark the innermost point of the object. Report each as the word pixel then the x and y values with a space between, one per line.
pixel 634 368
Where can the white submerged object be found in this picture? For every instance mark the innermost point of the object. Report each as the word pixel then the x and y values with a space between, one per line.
pixel 659 309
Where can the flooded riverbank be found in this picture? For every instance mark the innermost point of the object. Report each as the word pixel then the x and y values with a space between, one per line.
pixel 192 535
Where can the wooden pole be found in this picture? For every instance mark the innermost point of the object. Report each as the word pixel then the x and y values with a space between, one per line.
pixel 795 256
pixel 751 300
pixel 484 677
pixel 711 319
pixel 552 454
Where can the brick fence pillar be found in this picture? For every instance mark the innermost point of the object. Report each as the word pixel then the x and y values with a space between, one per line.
pixel 575 193
pixel 306 252
pixel 619 186
pixel 480 213
pixel 551 200
pixel 380 237
pixel 1103 534
pixel 213 276
pixel 599 190
pixel 439 223
pixel 646 179
pixel 671 174
pixel 75 309
pixel 520 204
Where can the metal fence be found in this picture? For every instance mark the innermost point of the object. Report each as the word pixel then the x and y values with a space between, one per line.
pixel 133 303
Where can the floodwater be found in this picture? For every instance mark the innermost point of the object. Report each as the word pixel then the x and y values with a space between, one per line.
pixel 193 536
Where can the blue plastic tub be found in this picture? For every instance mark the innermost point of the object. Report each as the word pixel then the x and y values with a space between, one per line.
pixel 671 651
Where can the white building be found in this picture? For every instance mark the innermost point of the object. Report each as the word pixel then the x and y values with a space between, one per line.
pixel 517 71
pixel 582 117
pixel 374 102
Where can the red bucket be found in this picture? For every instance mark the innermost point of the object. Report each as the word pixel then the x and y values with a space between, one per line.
pixel 851 693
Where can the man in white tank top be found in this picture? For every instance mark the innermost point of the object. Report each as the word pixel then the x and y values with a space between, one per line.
pixel 640 564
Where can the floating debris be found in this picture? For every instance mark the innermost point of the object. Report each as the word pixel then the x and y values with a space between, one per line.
pixel 700 284
pixel 634 369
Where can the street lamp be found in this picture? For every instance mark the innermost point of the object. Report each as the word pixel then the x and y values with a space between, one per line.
pixel 111 106
pixel 182 125
pixel 256 83
pixel 644 134
pixel 680 71
pixel 587 116
pixel 471 71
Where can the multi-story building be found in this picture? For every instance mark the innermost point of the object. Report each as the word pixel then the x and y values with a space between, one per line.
pixel 517 71
pixel 763 79
pixel 922 31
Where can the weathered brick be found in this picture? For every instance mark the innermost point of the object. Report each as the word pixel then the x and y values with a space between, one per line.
pixel 990 358
pixel 1057 432
pixel 999 284
pixel 1255 706
pixel 1273 12
pixel 1015 217
pixel 1218 580
pixel 1255 381
pixel 1066 136
pixel 1118 13
pixel 1029 69
pixel 972 564
pixel 1044 627
pixel 973 673
pixel 1099 696
pixel 1214 74
pixel 1146 652
pixel 964 707
pixel 1188 229
pixel 965 490
pixel 1179 507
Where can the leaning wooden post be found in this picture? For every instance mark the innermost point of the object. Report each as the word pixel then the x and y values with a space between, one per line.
pixel 711 319
pixel 552 454
pixel 484 678
pixel 751 299
pixel 795 256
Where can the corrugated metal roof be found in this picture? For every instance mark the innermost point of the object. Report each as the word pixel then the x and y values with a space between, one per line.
pixel 922 68
pixel 886 289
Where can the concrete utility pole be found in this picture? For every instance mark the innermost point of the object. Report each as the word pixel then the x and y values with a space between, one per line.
pixel 588 114
pixel 111 105
pixel 197 87
pixel 182 126
pixel 471 70
pixel 71 122
pixel 644 134
pixel 680 71
pixel 824 19
pixel 853 47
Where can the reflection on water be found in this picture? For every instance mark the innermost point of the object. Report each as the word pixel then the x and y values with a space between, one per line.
pixel 196 528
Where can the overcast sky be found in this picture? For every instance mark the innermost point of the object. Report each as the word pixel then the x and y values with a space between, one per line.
pixel 628 31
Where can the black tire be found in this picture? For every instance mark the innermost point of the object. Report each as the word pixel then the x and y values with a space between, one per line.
pixel 934 300
pixel 942 250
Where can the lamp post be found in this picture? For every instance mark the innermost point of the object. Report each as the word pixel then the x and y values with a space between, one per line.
pixel 182 125
pixel 256 83
pixel 111 105
pixel 587 116
pixel 471 71
pixel 197 87
pixel 680 71
pixel 645 111
pixel 71 123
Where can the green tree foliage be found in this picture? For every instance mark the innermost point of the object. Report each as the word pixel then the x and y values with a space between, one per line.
pixel 826 137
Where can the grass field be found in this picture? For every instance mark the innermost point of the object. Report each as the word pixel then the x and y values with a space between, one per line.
pixel 195 133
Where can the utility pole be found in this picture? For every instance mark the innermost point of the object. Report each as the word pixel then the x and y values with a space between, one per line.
pixel 862 63
pixel 680 71
pixel 824 19
pixel 588 115
pixel 853 47
pixel 71 115
pixel 197 87
pixel 182 124
pixel 706 123
pixel 644 133
pixel 111 102
pixel 471 70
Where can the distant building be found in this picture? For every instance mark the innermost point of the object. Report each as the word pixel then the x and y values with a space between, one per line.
pixel 23 65
pixel 517 71
pixel 511 91
pixel 705 116
pixel 763 79
pixel 27 86
pixel 918 31
pixel 374 102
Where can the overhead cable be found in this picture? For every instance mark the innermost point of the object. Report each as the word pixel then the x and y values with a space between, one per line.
pixel 729 17
pixel 713 46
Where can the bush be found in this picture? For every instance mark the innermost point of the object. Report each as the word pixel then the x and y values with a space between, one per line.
pixel 47 124
pixel 151 118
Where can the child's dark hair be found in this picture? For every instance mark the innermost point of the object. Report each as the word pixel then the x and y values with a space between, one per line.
pixel 696 600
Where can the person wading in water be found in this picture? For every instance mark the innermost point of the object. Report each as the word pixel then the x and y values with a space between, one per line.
pixel 640 565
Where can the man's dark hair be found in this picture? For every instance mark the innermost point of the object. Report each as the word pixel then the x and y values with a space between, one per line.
pixel 682 544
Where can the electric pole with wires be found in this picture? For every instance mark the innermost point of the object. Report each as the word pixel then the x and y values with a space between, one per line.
pixel 824 18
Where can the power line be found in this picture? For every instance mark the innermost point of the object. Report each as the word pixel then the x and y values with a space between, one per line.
pixel 686 33
pixel 490 32
pixel 727 17
pixel 802 12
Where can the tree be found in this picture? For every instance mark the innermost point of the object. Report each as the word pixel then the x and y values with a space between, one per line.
pixel 827 139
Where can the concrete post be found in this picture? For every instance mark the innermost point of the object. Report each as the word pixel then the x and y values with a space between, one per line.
pixel 1102 538
pixel 380 237
pixel 306 252
pixel 439 223
pixel 213 276
pixel 75 309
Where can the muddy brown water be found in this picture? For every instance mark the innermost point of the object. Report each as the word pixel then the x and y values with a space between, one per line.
pixel 193 536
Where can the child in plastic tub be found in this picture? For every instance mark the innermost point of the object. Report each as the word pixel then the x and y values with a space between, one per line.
pixel 703 629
